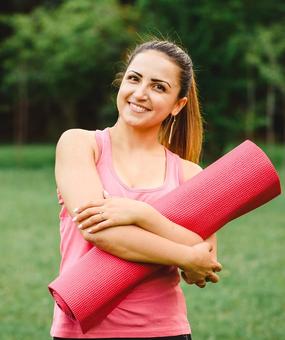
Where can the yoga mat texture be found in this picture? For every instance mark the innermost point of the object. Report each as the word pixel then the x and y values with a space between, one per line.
pixel 235 184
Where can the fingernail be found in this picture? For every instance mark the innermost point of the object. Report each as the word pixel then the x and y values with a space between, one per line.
pixel 74 218
pixel 105 193
pixel 75 210
pixel 80 226
pixel 90 231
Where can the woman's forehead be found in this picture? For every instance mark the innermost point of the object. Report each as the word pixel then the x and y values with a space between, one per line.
pixel 156 65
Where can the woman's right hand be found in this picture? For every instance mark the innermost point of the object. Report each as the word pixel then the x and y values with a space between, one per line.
pixel 201 266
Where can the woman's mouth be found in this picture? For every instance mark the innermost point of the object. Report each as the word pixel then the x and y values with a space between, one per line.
pixel 138 108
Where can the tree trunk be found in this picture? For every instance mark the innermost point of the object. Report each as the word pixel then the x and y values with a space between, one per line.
pixel 250 111
pixel 21 114
pixel 270 108
pixel 69 113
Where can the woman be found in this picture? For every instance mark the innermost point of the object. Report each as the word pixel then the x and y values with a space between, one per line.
pixel 120 171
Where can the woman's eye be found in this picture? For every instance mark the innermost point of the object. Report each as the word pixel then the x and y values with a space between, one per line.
pixel 159 87
pixel 133 78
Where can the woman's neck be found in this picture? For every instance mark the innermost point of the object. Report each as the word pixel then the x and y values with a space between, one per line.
pixel 130 138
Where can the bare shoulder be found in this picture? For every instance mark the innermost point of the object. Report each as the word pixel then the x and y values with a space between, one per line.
pixel 189 169
pixel 77 140
pixel 76 135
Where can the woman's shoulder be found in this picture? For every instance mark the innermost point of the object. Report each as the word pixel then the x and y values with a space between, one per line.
pixel 80 134
pixel 189 169
pixel 77 139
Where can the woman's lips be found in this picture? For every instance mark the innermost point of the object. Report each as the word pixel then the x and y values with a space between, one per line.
pixel 138 108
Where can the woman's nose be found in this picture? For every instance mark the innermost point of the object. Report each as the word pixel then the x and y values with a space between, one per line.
pixel 141 92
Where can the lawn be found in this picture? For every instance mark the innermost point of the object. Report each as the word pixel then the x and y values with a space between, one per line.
pixel 248 303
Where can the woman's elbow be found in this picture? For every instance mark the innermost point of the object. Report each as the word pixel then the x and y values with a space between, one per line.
pixel 103 241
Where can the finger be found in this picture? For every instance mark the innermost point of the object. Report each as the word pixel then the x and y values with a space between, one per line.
pixel 86 214
pixel 201 284
pixel 193 276
pixel 189 282
pixel 100 226
pixel 186 278
pixel 87 205
pixel 94 219
pixel 217 267
pixel 214 278
pixel 106 194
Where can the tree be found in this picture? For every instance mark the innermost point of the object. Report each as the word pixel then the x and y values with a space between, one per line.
pixel 266 55
pixel 219 36
pixel 64 56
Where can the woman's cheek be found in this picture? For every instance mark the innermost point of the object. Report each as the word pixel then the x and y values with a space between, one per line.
pixel 162 107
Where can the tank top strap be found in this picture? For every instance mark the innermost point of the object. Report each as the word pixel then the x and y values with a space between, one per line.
pixel 174 168
pixel 103 144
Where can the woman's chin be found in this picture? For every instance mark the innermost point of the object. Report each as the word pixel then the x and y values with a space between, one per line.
pixel 134 120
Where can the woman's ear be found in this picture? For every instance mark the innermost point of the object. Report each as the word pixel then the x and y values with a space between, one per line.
pixel 181 102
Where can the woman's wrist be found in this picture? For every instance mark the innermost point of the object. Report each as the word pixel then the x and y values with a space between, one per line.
pixel 146 217
pixel 182 256
pixel 152 221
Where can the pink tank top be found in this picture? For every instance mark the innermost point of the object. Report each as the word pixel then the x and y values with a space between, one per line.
pixel 156 307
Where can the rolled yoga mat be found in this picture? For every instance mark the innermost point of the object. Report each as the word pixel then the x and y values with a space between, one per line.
pixel 235 184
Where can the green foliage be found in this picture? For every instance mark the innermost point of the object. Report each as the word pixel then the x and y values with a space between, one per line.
pixel 62 47
pixel 234 45
pixel 266 52
pixel 61 60
pixel 66 55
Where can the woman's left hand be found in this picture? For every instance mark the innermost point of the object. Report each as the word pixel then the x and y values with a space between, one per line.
pixel 109 212
pixel 189 278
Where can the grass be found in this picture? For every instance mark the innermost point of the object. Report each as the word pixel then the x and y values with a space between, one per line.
pixel 28 157
pixel 248 303
pixel 29 248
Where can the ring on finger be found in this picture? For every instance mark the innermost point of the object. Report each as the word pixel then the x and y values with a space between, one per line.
pixel 101 214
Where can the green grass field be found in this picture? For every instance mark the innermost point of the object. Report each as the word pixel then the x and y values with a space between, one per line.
pixel 248 303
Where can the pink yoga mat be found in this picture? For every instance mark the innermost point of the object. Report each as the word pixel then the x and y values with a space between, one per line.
pixel 235 184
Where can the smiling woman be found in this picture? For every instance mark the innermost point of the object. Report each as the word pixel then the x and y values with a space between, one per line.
pixel 107 181
pixel 152 91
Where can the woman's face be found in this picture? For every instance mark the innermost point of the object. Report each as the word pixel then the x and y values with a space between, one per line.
pixel 149 90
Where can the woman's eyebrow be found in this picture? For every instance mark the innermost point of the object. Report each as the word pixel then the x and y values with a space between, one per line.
pixel 155 80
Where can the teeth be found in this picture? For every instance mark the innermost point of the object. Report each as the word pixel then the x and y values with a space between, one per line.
pixel 137 108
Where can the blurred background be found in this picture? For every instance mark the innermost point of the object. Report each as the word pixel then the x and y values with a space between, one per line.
pixel 58 59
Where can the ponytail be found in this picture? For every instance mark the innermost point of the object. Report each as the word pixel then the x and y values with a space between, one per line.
pixel 187 135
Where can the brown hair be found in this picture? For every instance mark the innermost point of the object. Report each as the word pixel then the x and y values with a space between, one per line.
pixel 187 136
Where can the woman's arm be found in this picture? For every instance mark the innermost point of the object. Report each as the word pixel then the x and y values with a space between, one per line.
pixel 78 181
pixel 135 244
pixel 75 170
pixel 116 211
